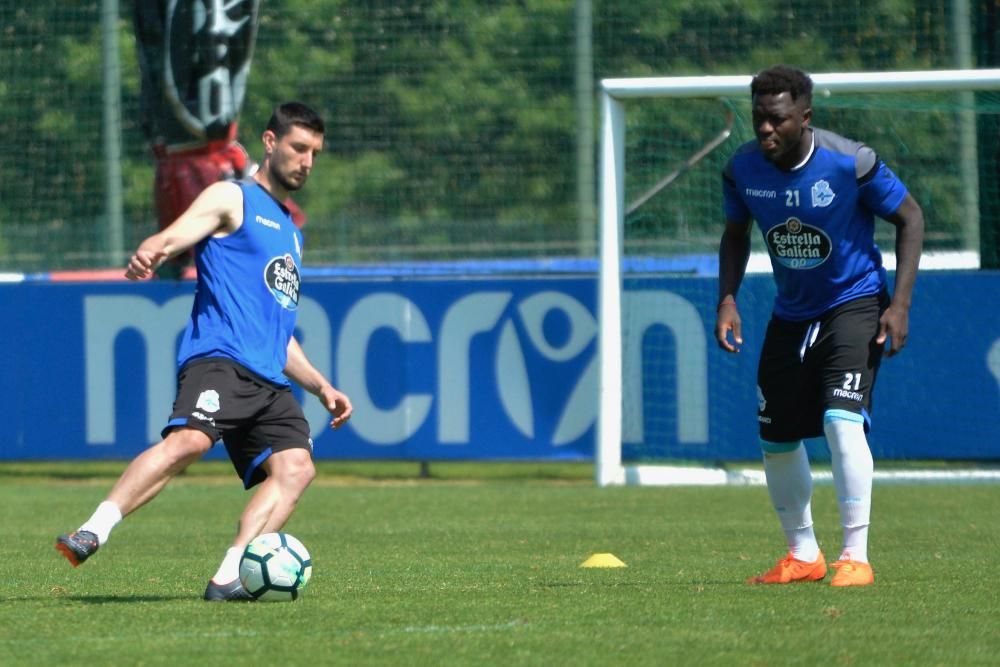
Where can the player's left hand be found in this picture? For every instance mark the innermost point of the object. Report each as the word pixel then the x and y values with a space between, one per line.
pixel 337 404
pixel 894 325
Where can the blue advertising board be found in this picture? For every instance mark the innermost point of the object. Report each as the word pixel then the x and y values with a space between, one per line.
pixel 491 368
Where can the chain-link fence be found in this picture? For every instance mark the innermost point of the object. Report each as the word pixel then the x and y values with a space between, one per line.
pixel 459 129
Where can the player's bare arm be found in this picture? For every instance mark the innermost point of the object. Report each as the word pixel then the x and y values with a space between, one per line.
pixel 895 321
pixel 302 372
pixel 734 251
pixel 216 211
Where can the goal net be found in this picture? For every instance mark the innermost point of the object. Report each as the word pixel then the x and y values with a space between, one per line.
pixel 673 408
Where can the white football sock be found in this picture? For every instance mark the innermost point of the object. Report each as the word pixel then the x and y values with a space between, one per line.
pixel 853 470
pixel 105 517
pixel 230 567
pixel 789 483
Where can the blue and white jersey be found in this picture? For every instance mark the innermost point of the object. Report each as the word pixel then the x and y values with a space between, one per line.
pixel 818 220
pixel 248 290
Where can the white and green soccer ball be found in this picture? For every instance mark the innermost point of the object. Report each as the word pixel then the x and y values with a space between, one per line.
pixel 275 567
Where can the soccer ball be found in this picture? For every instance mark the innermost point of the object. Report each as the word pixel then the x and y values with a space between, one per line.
pixel 275 566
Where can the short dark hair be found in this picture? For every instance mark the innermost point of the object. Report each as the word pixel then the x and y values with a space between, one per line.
pixel 783 79
pixel 289 114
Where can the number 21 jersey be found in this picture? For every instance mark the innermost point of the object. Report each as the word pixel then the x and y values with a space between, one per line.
pixel 817 220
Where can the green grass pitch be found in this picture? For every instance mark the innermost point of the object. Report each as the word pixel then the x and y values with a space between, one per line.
pixel 479 565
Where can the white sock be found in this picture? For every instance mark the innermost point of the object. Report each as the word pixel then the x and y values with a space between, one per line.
pixel 789 483
pixel 105 517
pixel 853 470
pixel 229 570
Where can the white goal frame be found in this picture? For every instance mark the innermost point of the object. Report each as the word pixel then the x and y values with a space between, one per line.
pixel 609 469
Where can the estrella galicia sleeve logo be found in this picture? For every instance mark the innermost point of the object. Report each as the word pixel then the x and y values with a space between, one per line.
pixel 282 278
pixel 797 245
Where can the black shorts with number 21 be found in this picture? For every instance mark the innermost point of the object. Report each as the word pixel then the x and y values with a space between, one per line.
pixel 807 368
pixel 253 417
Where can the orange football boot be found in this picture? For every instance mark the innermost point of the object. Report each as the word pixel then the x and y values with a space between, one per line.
pixel 852 573
pixel 789 570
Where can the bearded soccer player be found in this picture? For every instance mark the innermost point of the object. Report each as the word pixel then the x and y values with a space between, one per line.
pixel 238 352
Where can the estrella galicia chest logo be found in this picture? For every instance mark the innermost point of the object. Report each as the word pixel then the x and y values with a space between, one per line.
pixel 282 278
pixel 797 245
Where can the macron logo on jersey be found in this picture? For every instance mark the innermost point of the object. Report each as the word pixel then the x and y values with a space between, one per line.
pixel 760 194
pixel 267 223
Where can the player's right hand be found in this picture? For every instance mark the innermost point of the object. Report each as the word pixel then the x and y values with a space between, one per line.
pixel 337 404
pixel 728 319
pixel 143 263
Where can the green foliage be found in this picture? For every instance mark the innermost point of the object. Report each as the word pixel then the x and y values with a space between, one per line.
pixel 453 125
pixel 485 570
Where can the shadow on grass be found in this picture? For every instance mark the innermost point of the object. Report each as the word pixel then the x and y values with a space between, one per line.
pixel 127 599
pixel 333 471
pixel 100 599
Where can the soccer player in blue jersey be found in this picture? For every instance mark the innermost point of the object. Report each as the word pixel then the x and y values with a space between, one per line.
pixel 238 352
pixel 815 196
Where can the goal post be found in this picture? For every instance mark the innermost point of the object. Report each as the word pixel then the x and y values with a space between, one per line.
pixel 611 468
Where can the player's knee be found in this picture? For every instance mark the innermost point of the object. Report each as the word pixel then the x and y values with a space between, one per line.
pixel 187 444
pixel 306 473
pixel 844 431
pixel 293 468
pixel 769 447
pixel 840 417
pixel 837 423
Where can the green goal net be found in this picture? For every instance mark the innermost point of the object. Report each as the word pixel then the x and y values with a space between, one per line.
pixel 942 144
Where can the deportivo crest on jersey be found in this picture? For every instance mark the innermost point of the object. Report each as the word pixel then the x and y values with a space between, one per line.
pixel 282 278
pixel 797 245
pixel 208 401
pixel 822 194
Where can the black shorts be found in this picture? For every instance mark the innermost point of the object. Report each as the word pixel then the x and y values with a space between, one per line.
pixel 807 368
pixel 253 417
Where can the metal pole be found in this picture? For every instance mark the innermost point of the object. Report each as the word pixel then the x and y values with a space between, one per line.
pixel 585 177
pixel 967 137
pixel 113 241
pixel 608 449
